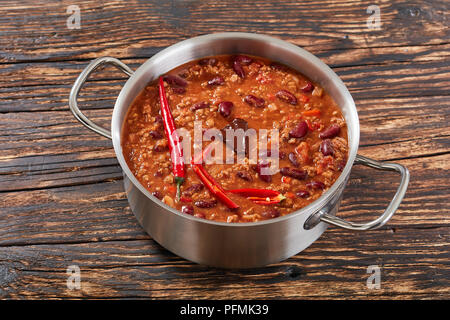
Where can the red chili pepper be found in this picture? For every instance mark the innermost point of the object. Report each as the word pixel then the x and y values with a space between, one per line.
pixel 274 200
pixel 199 159
pixel 176 152
pixel 209 177
pixel 185 199
pixel 268 200
pixel 260 196
pixel 213 186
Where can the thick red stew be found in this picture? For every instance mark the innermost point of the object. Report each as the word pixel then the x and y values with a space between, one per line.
pixel 235 92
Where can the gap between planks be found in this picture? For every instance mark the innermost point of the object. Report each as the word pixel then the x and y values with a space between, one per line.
pixel 121 178
pixel 384 229
pixel 158 49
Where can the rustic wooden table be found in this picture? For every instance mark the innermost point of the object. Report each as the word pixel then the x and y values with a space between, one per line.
pixel 62 202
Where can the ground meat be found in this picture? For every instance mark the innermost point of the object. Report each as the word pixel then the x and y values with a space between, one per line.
pixel 209 82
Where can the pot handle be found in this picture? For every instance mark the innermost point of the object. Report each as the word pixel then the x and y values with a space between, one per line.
pixel 78 84
pixel 392 207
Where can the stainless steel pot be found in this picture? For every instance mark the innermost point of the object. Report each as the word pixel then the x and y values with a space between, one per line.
pixel 236 245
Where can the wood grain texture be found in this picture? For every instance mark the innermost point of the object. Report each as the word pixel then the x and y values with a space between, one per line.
pixel 34 151
pixel 330 268
pixel 120 28
pixel 99 212
pixel 61 195
pixel 426 74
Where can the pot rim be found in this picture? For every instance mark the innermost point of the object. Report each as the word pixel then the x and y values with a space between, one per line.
pixel 116 126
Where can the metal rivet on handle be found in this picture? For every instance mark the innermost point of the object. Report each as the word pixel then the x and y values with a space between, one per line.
pixel 313 220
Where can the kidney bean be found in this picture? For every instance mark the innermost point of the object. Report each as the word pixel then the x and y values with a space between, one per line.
pixel 326 147
pixel 157 194
pixel 268 153
pixel 299 131
pixel 294 160
pixel 330 132
pixel 244 175
pixel 216 81
pixel 187 209
pixel 286 96
pixel 159 119
pixel 200 105
pixel 279 67
pixel 237 67
pixel 254 101
pixel 160 148
pixel 178 90
pixel 158 173
pixel 315 185
pixel 206 203
pixel 243 60
pixel 175 80
pixel 225 108
pixel 235 124
pixel 207 61
pixel 302 194
pixel 309 87
pixel 155 134
pixel 188 192
pixel 265 177
pixel 238 123
pixel 270 213
pixel 298 174
pixel 258 167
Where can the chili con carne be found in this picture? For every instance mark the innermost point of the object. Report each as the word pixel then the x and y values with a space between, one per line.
pixel 235 92
pixel 213 186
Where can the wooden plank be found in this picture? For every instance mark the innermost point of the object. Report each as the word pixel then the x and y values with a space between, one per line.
pixel 412 265
pixel 39 74
pixel 99 95
pixel 393 128
pixel 61 193
pixel 35 153
pixel 46 86
pixel 338 58
pixel 52 73
pixel 100 212
pixel 397 80
pixel 425 203
pixel 76 213
pixel 148 25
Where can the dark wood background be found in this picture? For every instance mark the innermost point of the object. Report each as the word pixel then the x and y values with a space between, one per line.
pixel 61 195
